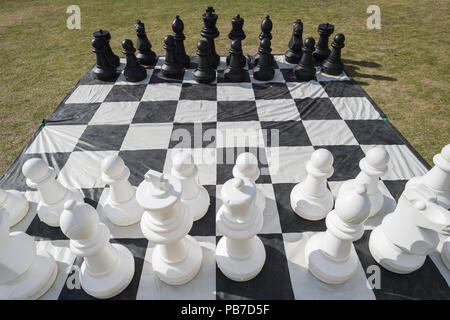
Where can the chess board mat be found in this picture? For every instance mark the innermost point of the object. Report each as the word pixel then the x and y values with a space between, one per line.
pixel 282 121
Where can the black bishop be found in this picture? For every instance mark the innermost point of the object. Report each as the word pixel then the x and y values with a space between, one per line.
pixel 180 52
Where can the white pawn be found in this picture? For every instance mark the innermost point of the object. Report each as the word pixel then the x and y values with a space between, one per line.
pixel 445 253
pixel 53 194
pixel 15 204
pixel 331 255
pixel 438 178
pixel 177 257
pixel 311 199
pixel 406 236
pixel 247 167
pixel 195 196
pixel 107 268
pixel 24 274
pixel 121 206
pixel 372 166
pixel 240 254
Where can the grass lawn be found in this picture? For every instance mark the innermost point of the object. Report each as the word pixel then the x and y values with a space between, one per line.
pixel 404 66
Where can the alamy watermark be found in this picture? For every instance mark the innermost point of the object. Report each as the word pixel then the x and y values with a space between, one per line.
pixel 374 20
pixel 74 20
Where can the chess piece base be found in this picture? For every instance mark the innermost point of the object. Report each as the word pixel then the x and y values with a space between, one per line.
pixel 180 272
pixel 205 76
pixel 292 57
pixel 146 59
pixel 332 70
pixel 390 257
pixel 21 207
pixel 36 281
pixel 376 199
pixel 310 208
pixel 325 268
pixel 135 74
pixel 109 284
pixel 124 214
pixel 263 74
pixel 105 74
pixel 49 214
pixel 198 205
pixel 241 270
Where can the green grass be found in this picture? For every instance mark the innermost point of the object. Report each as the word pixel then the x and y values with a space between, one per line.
pixel 404 66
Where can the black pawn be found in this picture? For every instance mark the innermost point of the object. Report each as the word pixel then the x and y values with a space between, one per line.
pixel 264 69
pixel 266 29
pixel 235 71
pixel 210 32
pixel 145 56
pixel 104 70
pixel 171 67
pixel 237 32
pixel 204 72
pixel 333 64
pixel 106 37
pixel 294 53
pixel 322 51
pixel 305 70
pixel 180 52
pixel 133 71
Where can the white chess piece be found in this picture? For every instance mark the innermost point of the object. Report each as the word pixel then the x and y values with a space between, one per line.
pixel 445 253
pixel 247 167
pixel 121 206
pixel 195 196
pixel 331 255
pixel 438 178
pixel 373 166
pixel 311 199
pixel 177 257
pixel 15 204
pixel 107 268
pixel 406 236
pixel 240 254
pixel 24 274
pixel 53 194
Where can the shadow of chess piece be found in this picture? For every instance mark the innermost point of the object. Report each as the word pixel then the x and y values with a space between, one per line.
pixel 264 69
pixel 333 64
pixel 322 51
pixel 305 70
pixel 204 72
pixel 180 52
pixel 171 67
pixel 133 71
pixel 235 71
pixel 210 32
pixel 294 53
pixel 104 69
pixel 106 37
pixel 145 55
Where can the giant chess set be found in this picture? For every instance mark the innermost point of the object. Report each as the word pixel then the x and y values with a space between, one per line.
pixel 238 177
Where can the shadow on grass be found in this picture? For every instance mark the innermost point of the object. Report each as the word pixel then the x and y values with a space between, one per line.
pixel 352 68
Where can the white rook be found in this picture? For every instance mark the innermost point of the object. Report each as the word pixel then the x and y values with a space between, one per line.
pixel 311 199
pixel 331 255
pixel 373 166
pixel 24 274
pixel 121 206
pixel 240 254
pixel 15 204
pixel 247 167
pixel 107 268
pixel 406 236
pixel 177 257
pixel 53 194
pixel 195 196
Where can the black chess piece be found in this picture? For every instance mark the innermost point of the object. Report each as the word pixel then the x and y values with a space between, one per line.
pixel 236 32
pixel 322 51
pixel 104 69
pixel 145 55
pixel 266 29
pixel 304 70
pixel 171 67
pixel 264 69
pixel 210 32
pixel 106 37
pixel 180 52
pixel 235 71
pixel 333 64
pixel 204 72
pixel 133 71
pixel 294 53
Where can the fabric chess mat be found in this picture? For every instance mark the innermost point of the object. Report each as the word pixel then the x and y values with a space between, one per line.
pixel 281 121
